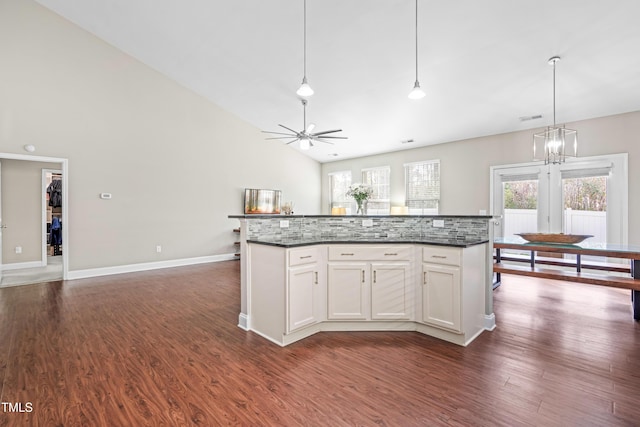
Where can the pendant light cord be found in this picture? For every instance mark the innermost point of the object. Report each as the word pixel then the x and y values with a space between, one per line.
pixel 304 50
pixel 554 93
pixel 416 40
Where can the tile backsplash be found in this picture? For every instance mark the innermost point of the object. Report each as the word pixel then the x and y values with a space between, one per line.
pixel 386 227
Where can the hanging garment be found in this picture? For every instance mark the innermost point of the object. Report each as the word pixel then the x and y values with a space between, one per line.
pixel 56 232
pixel 55 193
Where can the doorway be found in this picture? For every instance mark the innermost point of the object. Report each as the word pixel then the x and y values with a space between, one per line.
pixel 39 267
pixel 587 195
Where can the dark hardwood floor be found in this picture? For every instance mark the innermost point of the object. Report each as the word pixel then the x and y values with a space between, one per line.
pixel 163 348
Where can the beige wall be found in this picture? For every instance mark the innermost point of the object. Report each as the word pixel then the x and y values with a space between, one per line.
pixel 22 209
pixel 175 163
pixel 465 164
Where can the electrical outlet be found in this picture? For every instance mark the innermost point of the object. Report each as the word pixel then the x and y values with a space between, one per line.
pixel 158 249
pixel 18 249
pixel 284 223
pixel 367 223
pixel 438 223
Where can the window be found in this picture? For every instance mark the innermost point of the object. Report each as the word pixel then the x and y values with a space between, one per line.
pixel 379 179
pixel 340 182
pixel 422 187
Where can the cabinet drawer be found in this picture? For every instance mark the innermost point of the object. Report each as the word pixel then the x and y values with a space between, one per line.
pixel 303 256
pixel 442 255
pixel 369 253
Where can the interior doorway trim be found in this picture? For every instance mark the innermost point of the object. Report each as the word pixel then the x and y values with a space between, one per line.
pixel 64 166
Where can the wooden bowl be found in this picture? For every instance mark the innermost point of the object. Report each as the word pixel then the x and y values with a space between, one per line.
pixel 554 238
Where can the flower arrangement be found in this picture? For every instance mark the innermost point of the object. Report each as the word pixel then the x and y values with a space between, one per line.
pixel 361 193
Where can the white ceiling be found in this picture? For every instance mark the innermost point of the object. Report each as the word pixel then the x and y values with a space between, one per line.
pixel 483 63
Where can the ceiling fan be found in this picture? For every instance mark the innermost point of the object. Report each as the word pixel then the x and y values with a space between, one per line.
pixel 305 136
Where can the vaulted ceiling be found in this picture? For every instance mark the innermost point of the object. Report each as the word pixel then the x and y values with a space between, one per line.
pixel 482 63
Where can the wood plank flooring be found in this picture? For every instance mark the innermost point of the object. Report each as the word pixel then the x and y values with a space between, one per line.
pixel 162 348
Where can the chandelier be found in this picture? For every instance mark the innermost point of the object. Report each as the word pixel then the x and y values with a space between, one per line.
pixel 555 143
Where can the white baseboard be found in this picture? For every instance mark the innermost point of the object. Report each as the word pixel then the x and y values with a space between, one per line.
pixel 489 322
pixel 21 265
pixel 146 266
pixel 243 321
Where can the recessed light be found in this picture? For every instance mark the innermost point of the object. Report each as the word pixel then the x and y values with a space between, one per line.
pixel 30 148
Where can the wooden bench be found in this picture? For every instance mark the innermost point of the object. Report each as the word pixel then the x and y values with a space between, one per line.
pixel 569 276
pixel 561 262
pixel 630 252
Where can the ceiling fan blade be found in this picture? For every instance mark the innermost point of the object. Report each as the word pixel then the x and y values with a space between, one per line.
pixel 327 131
pixel 289 129
pixel 330 137
pixel 310 128
pixel 291 142
pixel 280 137
pixel 277 133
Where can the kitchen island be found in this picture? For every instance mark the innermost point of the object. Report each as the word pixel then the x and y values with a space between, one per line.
pixel 321 273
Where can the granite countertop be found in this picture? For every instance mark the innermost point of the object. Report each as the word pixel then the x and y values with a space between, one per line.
pixel 280 216
pixel 295 242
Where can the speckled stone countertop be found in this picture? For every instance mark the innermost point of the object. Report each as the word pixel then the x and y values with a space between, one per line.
pixel 293 242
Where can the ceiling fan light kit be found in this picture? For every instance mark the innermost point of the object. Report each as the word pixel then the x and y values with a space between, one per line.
pixel 555 143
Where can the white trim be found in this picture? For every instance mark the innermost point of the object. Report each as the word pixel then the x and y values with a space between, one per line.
pixel 375 168
pixel 146 266
pixel 243 321
pixel 489 322
pixel 21 265
pixel 421 162
pixel 339 172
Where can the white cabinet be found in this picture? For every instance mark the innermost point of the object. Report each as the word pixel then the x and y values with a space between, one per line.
pixel 302 298
pixel 369 283
pixel 452 288
pixel 303 290
pixel 441 296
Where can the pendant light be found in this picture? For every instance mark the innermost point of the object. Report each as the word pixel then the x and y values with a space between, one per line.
pixel 416 92
pixel 555 143
pixel 305 90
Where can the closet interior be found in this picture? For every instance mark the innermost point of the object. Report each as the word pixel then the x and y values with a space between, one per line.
pixel 54 214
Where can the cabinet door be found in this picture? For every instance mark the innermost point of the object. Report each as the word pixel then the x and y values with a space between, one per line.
pixel 301 297
pixel 391 291
pixel 441 296
pixel 347 291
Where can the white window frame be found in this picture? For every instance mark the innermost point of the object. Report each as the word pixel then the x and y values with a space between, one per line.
pixel 345 202
pixel 421 211
pixel 386 202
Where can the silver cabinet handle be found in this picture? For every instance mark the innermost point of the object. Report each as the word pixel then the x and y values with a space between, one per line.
pixel 316 277
pixel 424 278
pixel 345 254
pixel 374 276
pixel 306 256
pixel 362 276
pixel 391 254
pixel 439 256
